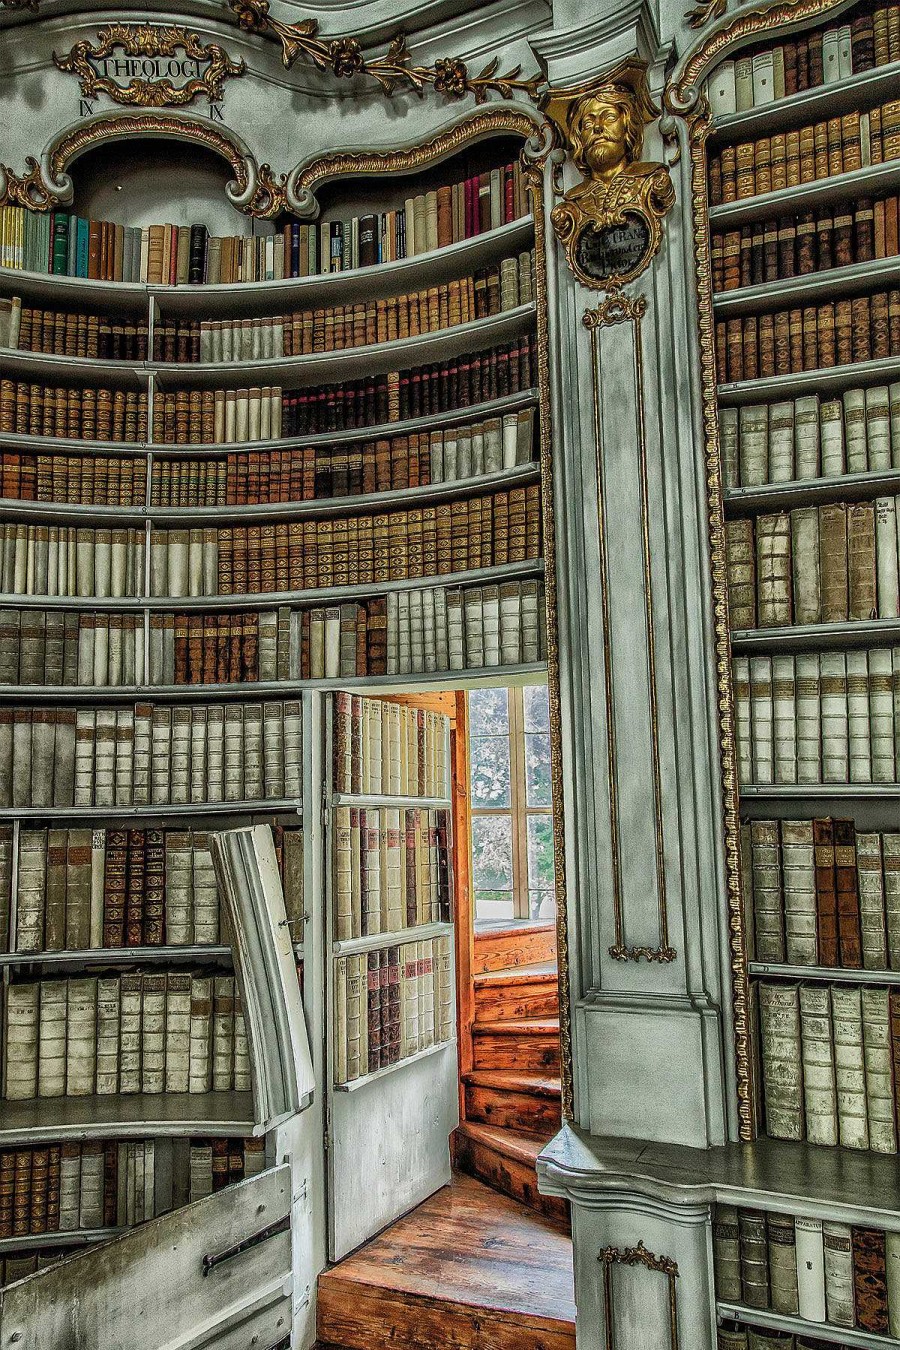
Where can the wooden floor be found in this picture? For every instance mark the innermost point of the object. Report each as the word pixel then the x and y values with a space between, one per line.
pixel 468 1270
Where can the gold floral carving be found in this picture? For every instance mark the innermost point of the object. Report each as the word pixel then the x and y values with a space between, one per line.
pixel 704 13
pixel 616 308
pixel 150 40
pixel 344 57
pixel 603 126
pixel 28 189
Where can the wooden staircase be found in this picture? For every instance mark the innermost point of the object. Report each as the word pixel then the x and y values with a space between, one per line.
pixel 511 1095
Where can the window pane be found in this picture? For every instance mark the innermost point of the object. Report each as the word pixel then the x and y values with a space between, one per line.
pixel 542 904
pixel 491 905
pixel 492 853
pixel 537 769
pixel 540 853
pixel 488 712
pixel 537 707
pixel 490 771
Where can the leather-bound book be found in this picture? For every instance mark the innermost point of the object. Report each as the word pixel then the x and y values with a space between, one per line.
pixel 826 892
pixel 849 931
pixel 870 1280
pixel 806 243
pixel 754 1258
pixel 862 42
pixel 864 231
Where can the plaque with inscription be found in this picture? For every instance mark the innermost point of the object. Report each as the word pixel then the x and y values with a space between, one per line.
pixel 606 252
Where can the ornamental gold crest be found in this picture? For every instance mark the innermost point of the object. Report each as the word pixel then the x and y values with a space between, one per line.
pixel 610 224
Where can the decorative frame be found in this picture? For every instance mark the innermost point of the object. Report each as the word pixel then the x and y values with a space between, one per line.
pixel 684 99
pixel 638 1256
pixel 148 39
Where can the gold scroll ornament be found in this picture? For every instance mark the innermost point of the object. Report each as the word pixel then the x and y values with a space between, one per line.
pixel 160 47
pixel 610 224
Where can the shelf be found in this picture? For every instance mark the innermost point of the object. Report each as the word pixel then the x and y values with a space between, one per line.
pixel 829 284
pixel 376 358
pixel 835 974
pixel 871 181
pixel 806 637
pixel 854 93
pixel 358 1083
pixel 117 956
pixel 31 366
pixel 376 799
pixel 854 487
pixel 823 1331
pixel 12 508
pixel 64 445
pixel 134 1116
pixel 374 941
pixel 76 1237
pixel 818 791
pixel 831 380
pixel 476 677
pixel 271 599
pixel 258 297
pixel 183 811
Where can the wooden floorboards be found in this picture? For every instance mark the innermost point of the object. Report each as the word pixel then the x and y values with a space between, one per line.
pixel 469 1269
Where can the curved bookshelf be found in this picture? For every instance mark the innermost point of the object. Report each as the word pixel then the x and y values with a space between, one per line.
pixel 869 181
pixel 824 380
pixel 805 637
pixel 865 89
pixel 830 283
pixel 801 491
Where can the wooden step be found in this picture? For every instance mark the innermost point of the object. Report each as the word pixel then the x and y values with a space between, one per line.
pixel 529 991
pixel 506 1159
pixel 468 1270
pixel 521 945
pixel 514 1100
pixel 524 1043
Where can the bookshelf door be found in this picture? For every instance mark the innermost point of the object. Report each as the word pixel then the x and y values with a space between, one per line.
pixel 216 1273
pixel 388 1131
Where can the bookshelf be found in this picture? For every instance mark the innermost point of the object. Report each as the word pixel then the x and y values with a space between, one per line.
pixel 440 418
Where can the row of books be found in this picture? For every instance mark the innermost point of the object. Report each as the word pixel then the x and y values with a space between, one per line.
pixel 819 893
pixel 809 437
pixel 385 748
pixel 157 1031
pixel 806 155
pixel 391 869
pixel 308 473
pixel 822 1271
pixel 490 290
pixel 406 632
pixel 68 560
pixel 824 717
pixel 144 754
pixel 817 564
pixel 823 56
pixel 83 889
pixel 75 413
pixel 61 332
pixel 390 1004
pixel 815 337
pixel 811 241
pixel 70 245
pixel 731 1336
pixel 72 1187
pixel 830 1054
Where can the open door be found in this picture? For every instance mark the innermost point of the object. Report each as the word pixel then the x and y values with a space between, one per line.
pixel 391 1052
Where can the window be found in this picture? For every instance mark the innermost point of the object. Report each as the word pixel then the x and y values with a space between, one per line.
pixel 512 823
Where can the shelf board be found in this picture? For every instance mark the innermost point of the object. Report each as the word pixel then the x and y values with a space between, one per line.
pixel 76 1237
pixel 12 508
pixel 823 1331
pixel 376 358
pixel 831 284
pixel 804 637
pixel 23 365
pixel 259 297
pixel 854 487
pixel 355 1084
pixel 856 92
pixel 374 941
pixel 117 956
pixel 377 799
pixel 835 974
pixel 181 811
pixel 64 445
pixel 871 181
pixel 476 677
pixel 830 380
pixel 818 791
pixel 321 595
pixel 41 1120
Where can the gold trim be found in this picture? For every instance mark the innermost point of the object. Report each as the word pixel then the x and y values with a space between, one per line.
pixel 28 189
pixel 151 40
pixel 344 57
pixel 638 1256
pixel 616 309
pixel 705 12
